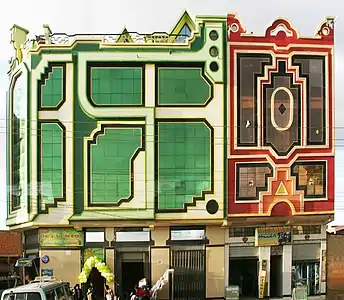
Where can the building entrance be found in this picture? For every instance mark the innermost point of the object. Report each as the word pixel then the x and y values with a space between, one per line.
pixel 189 273
pixel 98 283
pixel 276 276
pixel 131 268
pixel 307 273
pixel 244 273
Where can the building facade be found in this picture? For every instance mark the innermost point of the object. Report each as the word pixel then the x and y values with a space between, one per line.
pixel 116 150
pixel 280 156
pixel 149 151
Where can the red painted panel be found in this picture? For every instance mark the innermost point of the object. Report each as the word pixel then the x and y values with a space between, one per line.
pixel 281 44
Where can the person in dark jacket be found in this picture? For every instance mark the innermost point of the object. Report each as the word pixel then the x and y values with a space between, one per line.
pixel 77 292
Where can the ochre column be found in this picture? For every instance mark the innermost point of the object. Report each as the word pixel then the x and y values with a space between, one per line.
pixel 215 262
pixel 110 253
pixel 160 257
pixel 264 263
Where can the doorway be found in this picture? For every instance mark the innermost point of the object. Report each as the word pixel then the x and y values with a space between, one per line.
pixel 189 272
pixel 131 268
pixel 307 273
pixel 98 284
pixel 243 272
pixel 276 276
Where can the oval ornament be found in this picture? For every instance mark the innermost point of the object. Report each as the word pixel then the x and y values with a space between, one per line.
pixel 291 108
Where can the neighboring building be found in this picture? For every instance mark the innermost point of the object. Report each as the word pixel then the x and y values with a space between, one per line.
pixel 280 156
pixel 335 263
pixel 116 149
pixel 10 251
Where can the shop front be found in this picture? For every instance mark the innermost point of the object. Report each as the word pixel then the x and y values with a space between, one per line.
pixel 270 261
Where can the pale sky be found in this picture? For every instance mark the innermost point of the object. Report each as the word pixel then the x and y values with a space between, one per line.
pixel 105 16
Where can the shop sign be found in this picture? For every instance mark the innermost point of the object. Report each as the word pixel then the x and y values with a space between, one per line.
pixel 61 238
pixel 47 272
pixel 24 262
pixel 273 236
pixel 262 285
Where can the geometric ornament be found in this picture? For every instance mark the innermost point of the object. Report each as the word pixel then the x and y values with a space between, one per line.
pixel 281 190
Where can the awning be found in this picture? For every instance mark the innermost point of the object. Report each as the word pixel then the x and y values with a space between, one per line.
pixel 25 262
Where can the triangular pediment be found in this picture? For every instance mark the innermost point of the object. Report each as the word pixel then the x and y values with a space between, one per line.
pixel 183 28
pixel 125 37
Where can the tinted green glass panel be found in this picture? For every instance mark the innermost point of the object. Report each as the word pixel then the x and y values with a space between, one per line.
pixel 52 90
pixel 110 164
pixel 184 163
pixel 51 162
pixel 19 143
pixel 183 86
pixel 116 86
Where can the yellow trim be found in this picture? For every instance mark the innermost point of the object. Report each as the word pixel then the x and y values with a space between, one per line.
pixel 185 19
pixel 272 205
pixel 327 212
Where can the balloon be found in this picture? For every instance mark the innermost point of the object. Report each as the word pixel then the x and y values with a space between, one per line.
pixel 95 262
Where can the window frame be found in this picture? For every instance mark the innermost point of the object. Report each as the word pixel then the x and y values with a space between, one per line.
pixel 303 188
pixel 241 199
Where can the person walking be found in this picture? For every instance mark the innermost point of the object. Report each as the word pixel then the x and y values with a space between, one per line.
pixel 89 293
pixel 109 295
pixel 77 292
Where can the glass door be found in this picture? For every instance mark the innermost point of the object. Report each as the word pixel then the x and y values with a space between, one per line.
pixel 307 273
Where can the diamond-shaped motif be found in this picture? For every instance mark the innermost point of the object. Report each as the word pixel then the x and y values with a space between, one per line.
pixel 282 109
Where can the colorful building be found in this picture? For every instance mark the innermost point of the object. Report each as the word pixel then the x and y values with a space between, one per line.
pixel 120 140
pixel 280 156
pixel 150 150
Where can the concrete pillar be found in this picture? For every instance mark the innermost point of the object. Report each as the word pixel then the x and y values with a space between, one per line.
pixel 264 255
pixel 323 267
pixel 287 269
pixel 110 253
pixel 215 262
pixel 160 257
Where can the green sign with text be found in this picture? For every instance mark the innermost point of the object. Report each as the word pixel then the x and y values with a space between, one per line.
pixel 61 238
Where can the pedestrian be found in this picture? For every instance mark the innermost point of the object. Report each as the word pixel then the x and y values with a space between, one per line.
pixel 89 293
pixel 77 292
pixel 109 295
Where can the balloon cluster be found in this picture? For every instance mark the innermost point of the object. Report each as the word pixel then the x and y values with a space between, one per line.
pixel 95 262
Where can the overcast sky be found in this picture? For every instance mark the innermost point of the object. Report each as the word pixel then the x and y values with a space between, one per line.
pixel 104 16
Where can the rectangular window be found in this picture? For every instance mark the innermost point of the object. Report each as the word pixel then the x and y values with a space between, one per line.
pixel 307 229
pixel 248 67
pixel 311 178
pixel 115 84
pixel 251 179
pixel 187 234
pixel 133 236
pixel 23 296
pixel 312 68
pixel 242 232
pixel 95 236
